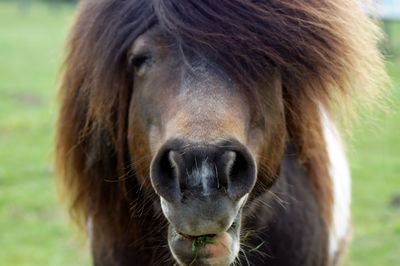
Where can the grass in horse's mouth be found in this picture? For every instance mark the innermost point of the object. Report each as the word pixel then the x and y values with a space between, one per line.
pixel 200 241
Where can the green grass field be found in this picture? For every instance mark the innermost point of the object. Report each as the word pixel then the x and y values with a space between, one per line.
pixel 34 230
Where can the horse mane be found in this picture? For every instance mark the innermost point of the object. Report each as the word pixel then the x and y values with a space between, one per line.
pixel 325 51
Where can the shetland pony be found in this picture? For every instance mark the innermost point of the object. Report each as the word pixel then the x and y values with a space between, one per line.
pixel 201 132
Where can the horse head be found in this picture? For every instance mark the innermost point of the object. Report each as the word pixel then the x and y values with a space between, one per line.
pixel 205 134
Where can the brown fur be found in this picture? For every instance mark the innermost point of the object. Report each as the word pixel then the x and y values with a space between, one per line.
pixel 324 51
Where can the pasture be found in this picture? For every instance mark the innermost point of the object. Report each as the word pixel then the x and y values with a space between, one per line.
pixel 35 230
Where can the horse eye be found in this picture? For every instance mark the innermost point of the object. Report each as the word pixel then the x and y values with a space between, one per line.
pixel 139 61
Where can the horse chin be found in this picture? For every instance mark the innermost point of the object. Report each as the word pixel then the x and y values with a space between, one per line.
pixel 215 249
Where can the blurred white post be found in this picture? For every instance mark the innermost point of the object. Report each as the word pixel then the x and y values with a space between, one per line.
pixel 386 10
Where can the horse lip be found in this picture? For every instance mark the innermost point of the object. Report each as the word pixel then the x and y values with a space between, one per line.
pixel 184 246
pixel 186 235
pixel 192 237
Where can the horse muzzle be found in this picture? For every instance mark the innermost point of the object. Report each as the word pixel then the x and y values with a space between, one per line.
pixel 203 188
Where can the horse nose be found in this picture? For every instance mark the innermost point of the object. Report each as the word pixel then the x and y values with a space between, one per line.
pixel 182 169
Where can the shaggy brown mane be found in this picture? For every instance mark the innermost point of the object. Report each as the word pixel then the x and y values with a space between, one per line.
pixel 325 52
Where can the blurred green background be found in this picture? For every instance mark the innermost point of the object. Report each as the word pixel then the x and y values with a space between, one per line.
pixel 34 229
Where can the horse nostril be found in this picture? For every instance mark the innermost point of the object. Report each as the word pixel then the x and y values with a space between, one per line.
pixel 164 174
pixel 239 170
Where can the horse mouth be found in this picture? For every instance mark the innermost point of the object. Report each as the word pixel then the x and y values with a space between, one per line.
pixel 211 249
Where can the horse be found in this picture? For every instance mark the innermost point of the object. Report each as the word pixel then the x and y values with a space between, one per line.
pixel 204 132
